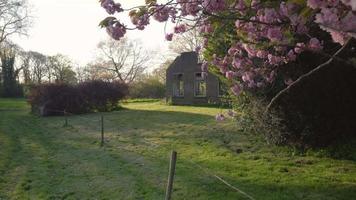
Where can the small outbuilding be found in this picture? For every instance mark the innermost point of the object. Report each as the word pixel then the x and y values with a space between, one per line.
pixel 188 85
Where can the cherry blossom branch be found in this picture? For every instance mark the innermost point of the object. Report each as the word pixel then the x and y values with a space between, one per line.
pixel 303 77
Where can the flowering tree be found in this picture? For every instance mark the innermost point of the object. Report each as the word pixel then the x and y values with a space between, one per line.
pixel 261 35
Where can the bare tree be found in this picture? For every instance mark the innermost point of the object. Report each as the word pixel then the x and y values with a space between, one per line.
pixel 125 59
pixel 186 42
pixel 61 69
pixel 14 18
pixel 8 48
pixel 24 59
pixel 160 72
pixel 37 67
pixel 98 71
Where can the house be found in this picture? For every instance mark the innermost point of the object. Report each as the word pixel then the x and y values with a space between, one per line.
pixel 187 85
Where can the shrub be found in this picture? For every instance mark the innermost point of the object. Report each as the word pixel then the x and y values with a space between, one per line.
pixel 149 87
pixel 101 95
pixel 51 99
pixel 253 119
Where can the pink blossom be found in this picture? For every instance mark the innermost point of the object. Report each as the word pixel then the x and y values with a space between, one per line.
pixel 351 3
pixel 314 44
pixel 327 17
pixel 286 9
pixel 238 63
pixel 141 22
pixel 270 15
pixel 189 8
pixel 236 90
pixel 111 7
pixel 116 30
pixel 262 54
pixel 161 13
pixel 348 23
pixel 214 5
pixel 250 50
pixel 274 34
pixel 255 3
pixel 238 24
pixel 291 55
pixel 220 117
pixel 204 66
pixel 206 28
pixel 231 113
pixel 169 37
pixel 314 4
pixel 339 37
pixel 180 28
pixel 299 48
pixel 248 77
pixel 274 60
pixel 230 75
pixel 240 5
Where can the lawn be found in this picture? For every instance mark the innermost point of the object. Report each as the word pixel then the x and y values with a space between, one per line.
pixel 42 159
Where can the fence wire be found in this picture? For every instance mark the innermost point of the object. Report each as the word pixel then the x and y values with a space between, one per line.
pixel 205 170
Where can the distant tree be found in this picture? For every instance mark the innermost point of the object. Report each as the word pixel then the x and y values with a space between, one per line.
pixel 37 67
pixel 160 72
pixel 61 69
pixel 186 42
pixel 147 86
pixel 24 59
pixel 14 18
pixel 10 86
pixel 97 71
pixel 125 59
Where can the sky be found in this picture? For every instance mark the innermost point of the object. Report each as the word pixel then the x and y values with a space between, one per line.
pixel 70 27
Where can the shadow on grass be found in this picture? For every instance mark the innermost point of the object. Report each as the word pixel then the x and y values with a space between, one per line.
pixel 66 160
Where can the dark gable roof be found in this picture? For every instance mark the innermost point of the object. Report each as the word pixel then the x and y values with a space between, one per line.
pixel 185 58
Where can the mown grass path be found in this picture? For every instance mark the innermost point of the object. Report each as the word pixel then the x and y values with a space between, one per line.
pixel 41 159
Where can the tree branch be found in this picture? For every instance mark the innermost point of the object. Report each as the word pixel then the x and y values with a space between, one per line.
pixel 303 77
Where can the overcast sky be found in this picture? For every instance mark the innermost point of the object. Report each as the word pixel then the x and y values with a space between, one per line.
pixel 70 27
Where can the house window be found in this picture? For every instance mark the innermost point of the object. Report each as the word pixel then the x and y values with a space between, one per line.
pixel 199 85
pixel 223 91
pixel 178 85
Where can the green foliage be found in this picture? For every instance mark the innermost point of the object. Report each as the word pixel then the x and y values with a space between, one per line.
pixel 148 87
pixel 9 86
pixel 41 159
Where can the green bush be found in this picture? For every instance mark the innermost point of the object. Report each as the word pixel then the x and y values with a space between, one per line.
pixel 149 87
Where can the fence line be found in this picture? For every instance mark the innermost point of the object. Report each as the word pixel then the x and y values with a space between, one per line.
pixel 72 114
pixel 206 171
pixel 223 181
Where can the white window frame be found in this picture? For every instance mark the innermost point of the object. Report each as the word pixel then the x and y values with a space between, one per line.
pixel 175 82
pixel 195 85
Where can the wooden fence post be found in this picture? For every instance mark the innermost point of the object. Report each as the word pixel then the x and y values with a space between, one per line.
pixel 102 130
pixel 65 119
pixel 172 169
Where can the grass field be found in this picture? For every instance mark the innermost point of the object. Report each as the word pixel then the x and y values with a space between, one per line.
pixel 42 159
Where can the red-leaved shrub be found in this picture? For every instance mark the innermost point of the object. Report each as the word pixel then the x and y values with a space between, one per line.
pixel 90 96
pixel 101 95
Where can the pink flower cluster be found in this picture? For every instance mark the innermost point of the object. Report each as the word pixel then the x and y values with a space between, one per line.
pixel 115 29
pixel 221 117
pixel 269 36
pixel 140 21
pixel 335 18
pixel 214 5
pixel 111 7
